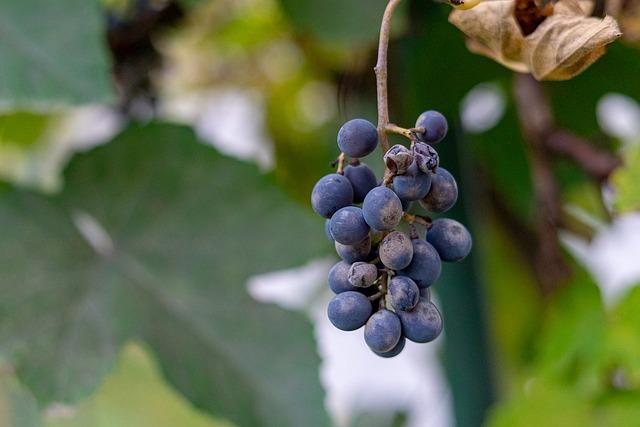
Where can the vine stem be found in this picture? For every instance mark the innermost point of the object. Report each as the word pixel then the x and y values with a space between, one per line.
pixel 381 75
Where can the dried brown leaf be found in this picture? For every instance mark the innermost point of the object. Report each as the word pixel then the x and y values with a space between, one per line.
pixel 562 46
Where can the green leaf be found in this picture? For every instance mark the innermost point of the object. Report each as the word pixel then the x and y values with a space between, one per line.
pixel 625 181
pixel 18 408
pixel 135 394
pixel 155 237
pixel 53 52
pixel 624 342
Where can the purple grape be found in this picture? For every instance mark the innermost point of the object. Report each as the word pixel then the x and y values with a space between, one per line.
pixel 331 193
pixel 398 159
pixel 396 350
pixel 450 238
pixel 382 209
pixel 362 179
pixel 435 125
pixel 414 185
pixel 354 253
pixel 403 293
pixel 348 226
pixel 443 194
pixel 425 266
pixel 362 274
pixel 382 331
pixel 349 310
pixel 339 278
pixel 357 138
pixel 423 323
pixel 396 250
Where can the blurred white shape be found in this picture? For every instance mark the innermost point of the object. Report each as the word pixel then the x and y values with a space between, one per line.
pixel 612 255
pixel 88 126
pixel 357 381
pixel 619 116
pixel 482 108
pixel 231 119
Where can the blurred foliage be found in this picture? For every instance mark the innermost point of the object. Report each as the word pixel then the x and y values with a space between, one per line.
pixel 625 181
pixel 38 70
pixel 18 408
pixel 135 395
pixel 139 244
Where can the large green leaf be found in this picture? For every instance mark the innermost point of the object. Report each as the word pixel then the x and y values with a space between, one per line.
pixel 135 395
pixel 155 236
pixel 53 52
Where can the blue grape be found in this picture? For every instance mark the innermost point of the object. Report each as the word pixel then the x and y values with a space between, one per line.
pixel 362 179
pixel 339 278
pixel 331 193
pixel 353 253
pixel 426 158
pixel 349 310
pixel 382 209
pixel 382 331
pixel 395 351
pixel 348 226
pixel 357 138
pixel 423 323
pixel 396 250
pixel 450 238
pixel 425 266
pixel 443 194
pixel 362 274
pixel 403 293
pixel 435 125
pixel 327 230
pixel 414 185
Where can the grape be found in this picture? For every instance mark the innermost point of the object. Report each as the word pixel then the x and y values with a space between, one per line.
pixel 353 253
pixel 398 159
pixel 425 266
pixel 426 158
pixel 362 274
pixel 435 125
pixel 403 293
pixel 382 209
pixel 339 278
pixel 327 230
pixel 396 250
pixel 423 323
pixel 414 185
pixel 425 293
pixel 396 350
pixel 382 331
pixel 331 192
pixel 450 238
pixel 349 310
pixel 443 194
pixel 348 226
pixel 357 138
pixel 362 179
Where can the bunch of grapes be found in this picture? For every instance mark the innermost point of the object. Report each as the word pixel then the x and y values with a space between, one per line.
pixel 383 279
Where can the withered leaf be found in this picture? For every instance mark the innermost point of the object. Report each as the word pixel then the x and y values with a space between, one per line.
pixel 562 46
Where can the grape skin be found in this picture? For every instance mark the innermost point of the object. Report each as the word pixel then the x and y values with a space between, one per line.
pixel 382 331
pixel 339 278
pixel 423 323
pixel 435 125
pixel 403 293
pixel 443 193
pixel 362 274
pixel 395 351
pixel 425 266
pixel 382 209
pixel 327 230
pixel 412 187
pixel 348 226
pixel 331 193
pixel 396 250
pixel 362 180
pixel 349 310
pixel 354 253
pixel 357 138
pixel 450 238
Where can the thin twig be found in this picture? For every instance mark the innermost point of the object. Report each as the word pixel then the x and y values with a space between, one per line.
pixel 381 75
pixel 417 219
pixel 341 158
